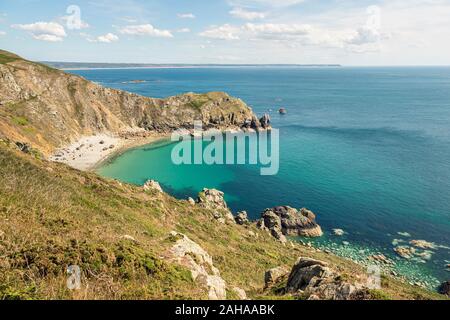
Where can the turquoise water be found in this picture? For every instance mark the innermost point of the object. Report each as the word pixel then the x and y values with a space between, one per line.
pixel 367 149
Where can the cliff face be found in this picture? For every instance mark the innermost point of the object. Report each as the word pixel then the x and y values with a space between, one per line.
pixel 48 108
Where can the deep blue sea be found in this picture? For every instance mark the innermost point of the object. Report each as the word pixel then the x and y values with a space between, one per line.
pixel 367 149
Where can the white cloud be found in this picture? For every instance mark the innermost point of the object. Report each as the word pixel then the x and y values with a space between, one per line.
pixel 108 38
pixel 247 15
pixel 45 31
pixel 184 30
pixel 2 33
pixel 146 30
pixel 186 15
pixel 224 32
pixel 267 3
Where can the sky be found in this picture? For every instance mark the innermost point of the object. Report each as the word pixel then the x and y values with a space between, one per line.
pixel 347 32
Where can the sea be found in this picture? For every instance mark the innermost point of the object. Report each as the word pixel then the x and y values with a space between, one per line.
pixel 365 148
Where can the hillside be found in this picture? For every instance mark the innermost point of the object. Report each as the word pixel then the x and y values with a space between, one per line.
pixel 135 242
pixel 48 108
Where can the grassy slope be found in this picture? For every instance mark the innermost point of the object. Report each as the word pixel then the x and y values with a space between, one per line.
pixel 52 216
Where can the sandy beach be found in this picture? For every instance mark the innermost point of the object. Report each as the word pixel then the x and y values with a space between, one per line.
pixel 90 151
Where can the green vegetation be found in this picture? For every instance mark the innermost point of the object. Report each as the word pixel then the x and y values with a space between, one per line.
pixel 7 57
pixel 20 121
pixel 52 216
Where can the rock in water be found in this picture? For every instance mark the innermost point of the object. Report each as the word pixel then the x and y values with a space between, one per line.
pixel 445 288
pixel 338 232
pixel 282 111
pixel 242 218
pixel 152 185
pixel 288 221
pixel 265 121
pixel 190 255
pixel 422 244
pixel 405 252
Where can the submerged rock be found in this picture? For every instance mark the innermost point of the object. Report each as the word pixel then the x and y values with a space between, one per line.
pixel 338 232
pixel 286 221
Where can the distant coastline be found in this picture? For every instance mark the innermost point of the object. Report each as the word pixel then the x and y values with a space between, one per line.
pixel 96 66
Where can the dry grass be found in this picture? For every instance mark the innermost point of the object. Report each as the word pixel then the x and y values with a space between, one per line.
pixel 52 216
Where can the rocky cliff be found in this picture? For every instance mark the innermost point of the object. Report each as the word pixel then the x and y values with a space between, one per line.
pixel 48 108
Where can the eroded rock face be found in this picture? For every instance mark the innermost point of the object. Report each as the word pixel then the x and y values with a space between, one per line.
pixel 152 185
pixel 190 255
pixel 286 221
pixel 213 199
pixel 317 281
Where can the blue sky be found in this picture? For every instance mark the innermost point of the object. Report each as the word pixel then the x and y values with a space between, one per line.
pixel 379 32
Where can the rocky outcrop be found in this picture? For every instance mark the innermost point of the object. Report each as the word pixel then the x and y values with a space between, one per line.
pixel 64 107
pixel 242 218
pixel 273 275
pixel 286 221
pixel 445 288
pixel 152 185
pixel 214 200
pixel 315 280
pixel 189 254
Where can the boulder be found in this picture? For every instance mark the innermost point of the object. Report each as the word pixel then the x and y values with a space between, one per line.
pixel 152 185
pixel 242 218
pixel 315 280
pixel 265 121
pixel 214 199
pixel 288 221
pixel 445 288
pixel 189 254
pixel 273 275
pixel 24 147
pixel 304 271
